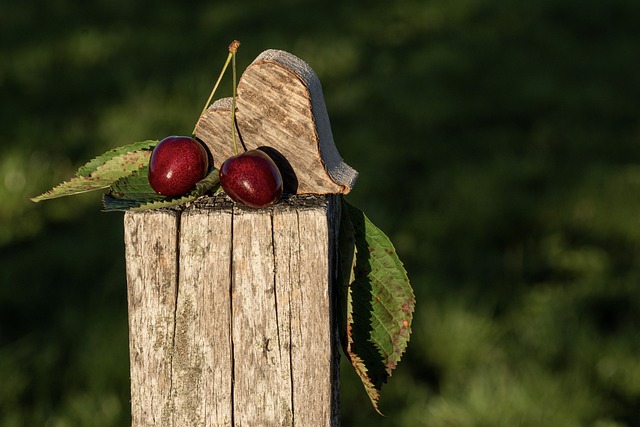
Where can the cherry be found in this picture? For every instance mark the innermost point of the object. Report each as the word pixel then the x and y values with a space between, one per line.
pixel 177 163
pixel 251 178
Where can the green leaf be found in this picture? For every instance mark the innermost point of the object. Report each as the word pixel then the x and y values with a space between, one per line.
pixel 346 266
pixel 103 170
pixel 376 298
pixel 112 155
pixel 135 186
pixel 134 193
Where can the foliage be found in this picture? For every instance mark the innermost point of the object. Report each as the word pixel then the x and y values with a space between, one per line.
pixel 497 145
pixel 124 171
pixel 134 192
pixel 376 299
pixel 104 170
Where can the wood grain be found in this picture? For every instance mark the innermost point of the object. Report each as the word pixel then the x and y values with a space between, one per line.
pixel 150 247
pixel 281 105
pixel 303 247
pixel 202 358
pixel 232 315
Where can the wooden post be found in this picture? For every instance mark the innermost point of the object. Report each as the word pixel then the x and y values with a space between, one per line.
pixel 232 312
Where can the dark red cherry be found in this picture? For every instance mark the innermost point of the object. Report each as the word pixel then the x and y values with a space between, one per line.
pixel 251 178
pixel 177 163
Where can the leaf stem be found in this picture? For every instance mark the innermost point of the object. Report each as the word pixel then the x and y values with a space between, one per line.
pixel 215 87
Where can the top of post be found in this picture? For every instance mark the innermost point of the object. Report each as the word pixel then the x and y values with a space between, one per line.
pixel 280 108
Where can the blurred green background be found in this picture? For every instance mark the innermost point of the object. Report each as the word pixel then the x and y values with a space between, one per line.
pixel 498 145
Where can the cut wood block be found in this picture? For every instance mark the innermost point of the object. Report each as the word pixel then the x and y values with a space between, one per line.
pixel 280 106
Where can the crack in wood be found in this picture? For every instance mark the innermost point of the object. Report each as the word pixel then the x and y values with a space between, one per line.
pixel 233 354
pixel 175 309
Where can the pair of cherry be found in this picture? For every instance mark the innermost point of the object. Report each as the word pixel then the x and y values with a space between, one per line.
pixel 178 162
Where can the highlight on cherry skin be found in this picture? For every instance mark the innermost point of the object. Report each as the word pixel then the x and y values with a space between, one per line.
pixel 177 163
pixel 252 179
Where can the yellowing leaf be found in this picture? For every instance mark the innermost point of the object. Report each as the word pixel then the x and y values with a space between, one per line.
pixel 103 170
pixel 112 155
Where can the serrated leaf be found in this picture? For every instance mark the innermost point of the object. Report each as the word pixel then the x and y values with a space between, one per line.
pixel 346 265
pixel 134 193
pixel 103 171
pixel 135 186
pixel 92 165
pixel 378 301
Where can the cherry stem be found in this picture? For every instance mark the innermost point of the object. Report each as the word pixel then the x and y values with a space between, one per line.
pixel 232 49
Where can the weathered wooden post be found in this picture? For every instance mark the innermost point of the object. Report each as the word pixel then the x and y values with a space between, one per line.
pixel 231 310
